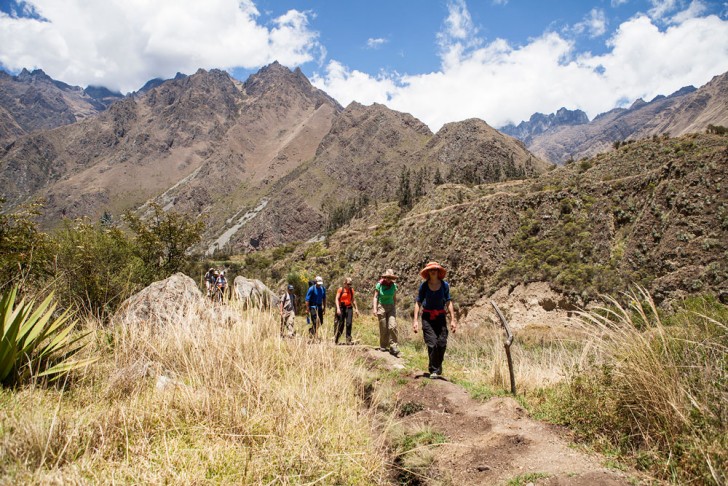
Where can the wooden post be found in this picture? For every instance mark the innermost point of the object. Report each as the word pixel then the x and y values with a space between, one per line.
pixel 507 344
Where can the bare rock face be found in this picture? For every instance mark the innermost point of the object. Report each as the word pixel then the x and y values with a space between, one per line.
pixel 254 292
pixel 531 304
pixel 163 302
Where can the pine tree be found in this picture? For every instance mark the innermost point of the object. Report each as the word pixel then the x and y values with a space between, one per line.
pixel 438 178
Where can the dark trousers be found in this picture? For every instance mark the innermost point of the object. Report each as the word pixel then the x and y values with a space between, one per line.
pixel 435 333
pixel 317 317
pixel 345 317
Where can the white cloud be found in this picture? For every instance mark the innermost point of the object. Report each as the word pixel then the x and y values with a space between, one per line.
pixel 376 42
pixel 696 9
pixel 661 8
pixel 502 83
pixel 347 86
pixel 594 24
pixel 500 2
pixel 617 3
pixel 123 43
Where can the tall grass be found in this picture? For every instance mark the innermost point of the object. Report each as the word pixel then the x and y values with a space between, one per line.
pixel 541 357
pixel 217 397
pixel 655 389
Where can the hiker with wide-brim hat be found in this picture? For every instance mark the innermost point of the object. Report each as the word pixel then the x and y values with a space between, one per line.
pixel 384 307
pixel 433 299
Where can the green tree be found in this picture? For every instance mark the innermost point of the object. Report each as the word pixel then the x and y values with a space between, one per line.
pixel 404 192
pixel 438 178
pixel 163 239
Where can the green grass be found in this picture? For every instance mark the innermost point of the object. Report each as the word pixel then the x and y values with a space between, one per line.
pixel 524 479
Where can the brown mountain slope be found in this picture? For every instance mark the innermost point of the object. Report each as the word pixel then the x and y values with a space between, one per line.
pixel 364 154
pixel 683 112
pixel 654 212
pixel 473 152
pixel 32 101
pixel 200 141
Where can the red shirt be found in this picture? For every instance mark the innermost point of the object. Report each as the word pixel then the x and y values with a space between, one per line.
pixel 345 295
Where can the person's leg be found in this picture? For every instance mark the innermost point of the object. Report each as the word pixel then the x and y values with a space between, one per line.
pixel 393 343
pixel 440 328
pixel 348 316
pixel 428 334
pixel 383 331
pixel 291 324
pixel 313 316
pixel 338 325
pixel 320 312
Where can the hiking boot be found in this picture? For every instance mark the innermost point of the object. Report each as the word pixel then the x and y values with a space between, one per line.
pixel 435 376
pixel 394 352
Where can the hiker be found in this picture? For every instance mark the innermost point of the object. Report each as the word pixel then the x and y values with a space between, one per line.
pixel 345 306
pixel 384 307
pixel 210 279
pixel 433 298
pixel 288 313
pixel 316 305
pixel 221 286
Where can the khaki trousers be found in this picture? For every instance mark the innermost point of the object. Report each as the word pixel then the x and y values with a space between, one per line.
pixel 387 315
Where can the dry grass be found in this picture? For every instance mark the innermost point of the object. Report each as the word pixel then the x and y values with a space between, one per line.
pixel 476 358
pixel 655 387
pixel 216 398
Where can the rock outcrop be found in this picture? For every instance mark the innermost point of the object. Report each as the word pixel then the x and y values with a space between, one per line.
pixel 163 302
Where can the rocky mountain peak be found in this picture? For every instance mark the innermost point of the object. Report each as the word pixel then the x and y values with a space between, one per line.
pixel 539 123
pixel 280 82
pixel 26 76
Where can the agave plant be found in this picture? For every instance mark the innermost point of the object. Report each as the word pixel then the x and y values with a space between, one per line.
pixel 33 343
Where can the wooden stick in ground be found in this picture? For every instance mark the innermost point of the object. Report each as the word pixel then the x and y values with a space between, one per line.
pixel 507 345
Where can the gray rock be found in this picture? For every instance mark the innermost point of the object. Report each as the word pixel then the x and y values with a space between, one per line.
pixel 162 302
pixel 254 292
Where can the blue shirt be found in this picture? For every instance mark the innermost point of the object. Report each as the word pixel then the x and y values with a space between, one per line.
pixel 316 295
pixel 433 300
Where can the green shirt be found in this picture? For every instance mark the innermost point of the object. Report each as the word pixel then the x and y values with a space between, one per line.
pixel 386 295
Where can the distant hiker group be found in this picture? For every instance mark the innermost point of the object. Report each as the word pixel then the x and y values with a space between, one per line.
pixel 215 285
pixel 432 304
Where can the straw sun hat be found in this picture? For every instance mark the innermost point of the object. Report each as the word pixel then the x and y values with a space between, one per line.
pixel 424 273
pixel 389 273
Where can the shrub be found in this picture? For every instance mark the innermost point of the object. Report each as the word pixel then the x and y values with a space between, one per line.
pixel 34 343
pixel 24 251
pixel 97 268
pixel 163 239
pixel 655 389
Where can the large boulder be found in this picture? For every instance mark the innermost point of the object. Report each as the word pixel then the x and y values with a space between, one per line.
pixel 162 302
pixel 254 293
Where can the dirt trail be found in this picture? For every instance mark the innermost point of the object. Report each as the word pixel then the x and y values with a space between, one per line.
pixel 491 442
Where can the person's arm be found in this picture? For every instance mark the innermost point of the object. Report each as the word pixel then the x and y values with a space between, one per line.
pixel 338 302
pixel 353 305
pixel 416 319
pixel 453 320
pixel 323 304
pixel 374 302
pixel 281 304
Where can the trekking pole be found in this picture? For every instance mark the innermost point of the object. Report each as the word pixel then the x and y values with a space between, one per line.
pixel 507 345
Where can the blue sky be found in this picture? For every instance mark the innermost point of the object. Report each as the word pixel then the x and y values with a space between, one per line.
pixel 441 60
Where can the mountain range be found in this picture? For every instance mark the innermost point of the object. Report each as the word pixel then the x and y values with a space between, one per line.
pixel 569 135
pixel 273 159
